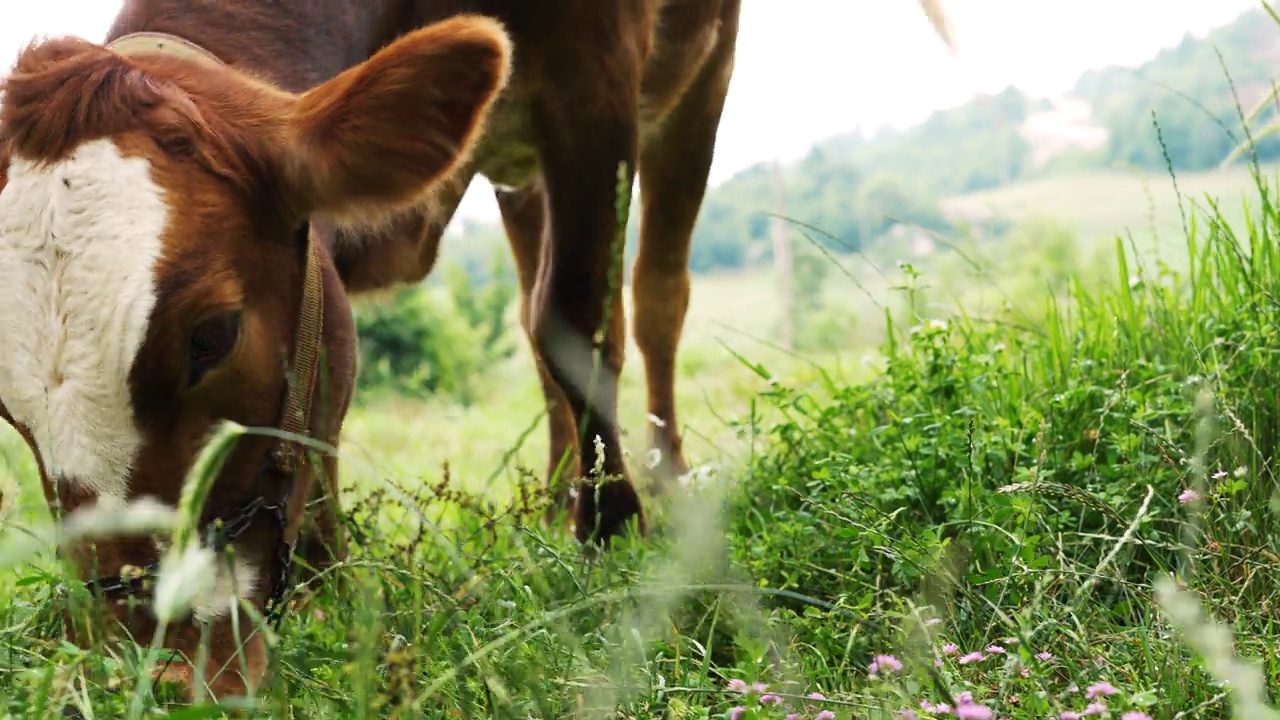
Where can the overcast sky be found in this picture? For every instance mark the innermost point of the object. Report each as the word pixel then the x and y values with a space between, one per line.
pixel 809 69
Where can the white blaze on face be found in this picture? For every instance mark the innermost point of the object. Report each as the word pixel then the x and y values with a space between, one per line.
pixel 79 240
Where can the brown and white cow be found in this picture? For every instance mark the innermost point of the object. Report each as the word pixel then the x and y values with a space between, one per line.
pixel 184 210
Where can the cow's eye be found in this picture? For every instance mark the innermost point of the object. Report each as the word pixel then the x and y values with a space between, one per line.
pixel 212 340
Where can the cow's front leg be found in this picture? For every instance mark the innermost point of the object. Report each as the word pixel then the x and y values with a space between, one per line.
pixel 587 128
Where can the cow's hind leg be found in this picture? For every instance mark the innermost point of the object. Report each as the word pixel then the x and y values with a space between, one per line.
pixel 674 164
pixel 523 216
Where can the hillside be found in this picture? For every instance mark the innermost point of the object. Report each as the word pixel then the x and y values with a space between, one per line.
pixel 1193 90
pixel 1101 204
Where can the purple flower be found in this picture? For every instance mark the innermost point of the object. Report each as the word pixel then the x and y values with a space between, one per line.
pixel 995 650
pixel 950 649
pixel 974 656
pixel 1099 689
pixel 736 712
pixel 1188 496
pixel 887 663
pixel 964 698
pixel 816 696
pixel 1135 715
pixel 792 716
pixel 770 699
pixel 972 711
pixel 1024 671
pixel 737 685
pixel 1095 708
pixel 1046 656
pixel 825 715
pixel 758 687
pixel 907 714
pixel 939 709
pixel 1068 715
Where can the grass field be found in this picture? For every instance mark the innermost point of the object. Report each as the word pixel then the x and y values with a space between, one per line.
pixel 1098 205
pixel 1050 506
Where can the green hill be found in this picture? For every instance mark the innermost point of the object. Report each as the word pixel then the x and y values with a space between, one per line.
pixel 977 159
pixel 1195 90
pixel 1101 204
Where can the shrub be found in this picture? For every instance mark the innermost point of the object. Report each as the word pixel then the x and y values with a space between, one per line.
pixel 998 465
pixel 437 340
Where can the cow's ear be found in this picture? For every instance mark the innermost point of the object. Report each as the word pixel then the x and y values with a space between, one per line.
pixel 380 134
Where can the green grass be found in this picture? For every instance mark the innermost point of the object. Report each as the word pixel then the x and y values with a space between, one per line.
pixel 1003 482
pixel 503 431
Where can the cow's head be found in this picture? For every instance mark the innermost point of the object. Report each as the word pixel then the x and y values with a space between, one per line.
pixel 153 228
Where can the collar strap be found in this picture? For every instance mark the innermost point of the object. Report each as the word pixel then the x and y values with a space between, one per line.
pixel 296 414
pixel 306 360
pixel 164 43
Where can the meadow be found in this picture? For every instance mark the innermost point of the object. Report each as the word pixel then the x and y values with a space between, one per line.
pixel 1023 481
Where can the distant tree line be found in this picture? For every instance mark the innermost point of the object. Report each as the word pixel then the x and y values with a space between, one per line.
pixel 1197 92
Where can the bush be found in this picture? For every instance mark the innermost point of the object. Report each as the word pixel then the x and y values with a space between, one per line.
pixel 437 340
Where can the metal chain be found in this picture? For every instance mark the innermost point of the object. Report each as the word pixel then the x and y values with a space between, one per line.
pixel 219 534
pixel 284 560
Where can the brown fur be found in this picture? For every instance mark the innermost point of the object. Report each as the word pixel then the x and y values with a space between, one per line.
pixel 243 164
pixel 375 154
pixel 644 83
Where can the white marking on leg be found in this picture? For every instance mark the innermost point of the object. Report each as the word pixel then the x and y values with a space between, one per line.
pixel 79 241
pixel 573 356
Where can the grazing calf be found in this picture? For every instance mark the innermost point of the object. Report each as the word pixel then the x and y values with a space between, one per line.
pixel 155 276
pixel 184 210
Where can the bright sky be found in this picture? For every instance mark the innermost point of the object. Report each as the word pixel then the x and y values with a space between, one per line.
pixel 809 69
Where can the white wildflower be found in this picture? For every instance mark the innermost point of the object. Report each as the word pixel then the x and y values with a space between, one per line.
pixel 597 467
pixel 652 458
pixel 184 578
